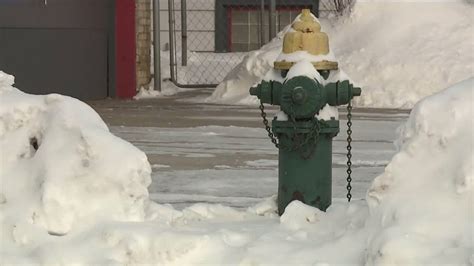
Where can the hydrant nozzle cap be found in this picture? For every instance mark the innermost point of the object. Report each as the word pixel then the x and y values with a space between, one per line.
pixel 253 91
pixel 356 91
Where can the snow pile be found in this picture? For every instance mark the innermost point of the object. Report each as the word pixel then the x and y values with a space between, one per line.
pixel 6 81
pixel 149 92
pixel 61 168
pixel 254 66
pixel 401 52
pixel 168 88
pixel 395 54
pixel 299 215
pixel 422 207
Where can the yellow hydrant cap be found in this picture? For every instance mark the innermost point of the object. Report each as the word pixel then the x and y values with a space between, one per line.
pixel 306 23
pixel 306 36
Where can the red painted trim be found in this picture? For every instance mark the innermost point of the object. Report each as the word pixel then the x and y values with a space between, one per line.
pixel 125 52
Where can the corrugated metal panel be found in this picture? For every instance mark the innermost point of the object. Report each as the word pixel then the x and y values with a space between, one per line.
pixel 60 46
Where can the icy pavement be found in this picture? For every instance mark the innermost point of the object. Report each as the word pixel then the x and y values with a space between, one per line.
pixel 237 166
pixel 221 153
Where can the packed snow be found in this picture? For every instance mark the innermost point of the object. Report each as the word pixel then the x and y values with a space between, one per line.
pixel 398 51
pixel 167 88
pixel 422 206
pixel 73 193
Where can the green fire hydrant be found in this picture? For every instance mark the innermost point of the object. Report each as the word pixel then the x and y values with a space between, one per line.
pixel 303 140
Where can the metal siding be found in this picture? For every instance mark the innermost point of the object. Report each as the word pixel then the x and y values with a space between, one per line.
pixel 63 47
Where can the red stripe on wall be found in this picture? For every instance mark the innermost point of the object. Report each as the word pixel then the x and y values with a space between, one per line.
pixel 125 48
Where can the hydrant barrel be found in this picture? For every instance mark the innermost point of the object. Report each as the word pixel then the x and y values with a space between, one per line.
pixel 307 179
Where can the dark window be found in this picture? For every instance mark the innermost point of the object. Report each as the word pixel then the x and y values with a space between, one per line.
pixel 245 26
pixel 237 22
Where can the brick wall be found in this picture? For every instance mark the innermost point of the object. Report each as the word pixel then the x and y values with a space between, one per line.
pixel 143 41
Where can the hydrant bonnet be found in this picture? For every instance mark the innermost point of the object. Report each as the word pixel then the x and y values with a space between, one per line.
pixel 306 36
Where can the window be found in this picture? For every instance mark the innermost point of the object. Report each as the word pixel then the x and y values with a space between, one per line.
pixel 245 33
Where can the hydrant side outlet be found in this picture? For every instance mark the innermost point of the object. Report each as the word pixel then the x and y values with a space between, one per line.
pixel 267 92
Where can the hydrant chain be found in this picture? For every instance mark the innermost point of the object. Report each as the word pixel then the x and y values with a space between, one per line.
pixel 267 127
pixel 349 151
pixel 298 143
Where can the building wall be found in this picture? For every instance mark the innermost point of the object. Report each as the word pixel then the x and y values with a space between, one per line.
pixel 143 40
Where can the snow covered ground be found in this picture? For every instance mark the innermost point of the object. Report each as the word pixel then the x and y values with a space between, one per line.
pixel 398 51
pixel 72 193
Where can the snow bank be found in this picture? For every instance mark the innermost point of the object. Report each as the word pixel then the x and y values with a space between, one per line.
pixel 422 207
pixel 61 168
pixel 168 88
pixel 399 52
pixel 149 92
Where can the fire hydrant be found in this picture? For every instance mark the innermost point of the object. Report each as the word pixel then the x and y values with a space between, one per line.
pixel 303 140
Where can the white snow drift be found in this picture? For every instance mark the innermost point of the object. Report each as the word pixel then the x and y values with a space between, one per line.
pixel 397 51
pixel 422 206
pixel 61 168
pixel 87 188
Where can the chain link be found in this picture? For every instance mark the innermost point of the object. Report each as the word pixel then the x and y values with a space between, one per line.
pixel 349 151
pixel 313 137
pixel 267 127
pixel 299 141
pixel 310 139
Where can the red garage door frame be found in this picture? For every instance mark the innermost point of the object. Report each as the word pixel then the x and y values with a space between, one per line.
pixel 125 49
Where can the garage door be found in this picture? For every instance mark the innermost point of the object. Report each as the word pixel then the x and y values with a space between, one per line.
pixel 61 46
